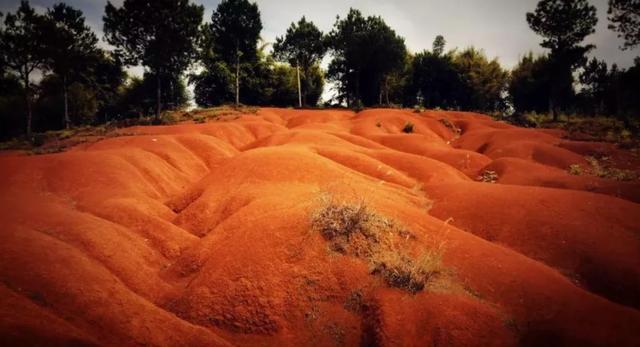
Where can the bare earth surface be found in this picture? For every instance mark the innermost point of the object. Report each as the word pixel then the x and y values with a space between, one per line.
pixel 199 235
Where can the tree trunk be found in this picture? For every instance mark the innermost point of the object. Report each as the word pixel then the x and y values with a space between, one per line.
pixel 386 91
pixel 552 110
pixel 158 94
pixel 299 87
pixel 237 74
pixel 65 95
pixel 27 99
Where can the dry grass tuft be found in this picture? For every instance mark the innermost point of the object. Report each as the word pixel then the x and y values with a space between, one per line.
pixel 488 176
pixel 454 129
pixel 401 271
pixel 605 171
pixel 353 229
pixel 575 169
pixel 600 168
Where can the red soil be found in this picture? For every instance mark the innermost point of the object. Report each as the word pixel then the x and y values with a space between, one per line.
pixel 199 235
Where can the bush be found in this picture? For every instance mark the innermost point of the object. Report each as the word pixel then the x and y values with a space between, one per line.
pixel 353 229
pixel 408 128
pixel 488 176
pixel 575 169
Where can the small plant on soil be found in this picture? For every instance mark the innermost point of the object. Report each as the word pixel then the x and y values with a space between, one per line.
pixel 604 171
pixel 199 119
pixel 401 271
pixel 456 131
pixel 353 229
pixel 408 128
pixel 488 176
pixel 378 124
pixel 575 169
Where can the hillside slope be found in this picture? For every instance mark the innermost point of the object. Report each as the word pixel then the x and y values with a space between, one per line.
pixel 201 235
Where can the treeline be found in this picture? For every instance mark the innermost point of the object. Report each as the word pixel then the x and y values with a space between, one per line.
pixel 227 62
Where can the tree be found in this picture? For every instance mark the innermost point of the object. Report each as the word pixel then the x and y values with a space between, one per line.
pixel 627 93
pixel 233 34
pixel 563 24
pixel 438 45
pixel 138 95
pixel 302 47
pixel 434 81
pixel 71 47
pixel 595 80
pixel 529 84
pixel 82 103
pixel 624 16
pixel 214 86
pixel 106 78
pixel 366 51
pixel 21 46
pixel 484 81
pixel 159 34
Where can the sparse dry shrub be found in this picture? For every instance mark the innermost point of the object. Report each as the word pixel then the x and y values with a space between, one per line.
pixel 447 123
pixel 603 170
pixel 408 128
pixel 488 176
pixel 402 271
pixel 199 119
pixel 353 229
pixel 575 169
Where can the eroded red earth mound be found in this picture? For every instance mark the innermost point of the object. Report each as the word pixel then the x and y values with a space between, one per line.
pixel 200 235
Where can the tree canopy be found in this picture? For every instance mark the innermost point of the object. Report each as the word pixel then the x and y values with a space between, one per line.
pixel 303 46
pixel 71 48
pixel 158 34
pixel 232 36
pixel 23 49
pixel 563 24
pixel 624 17
pixel 366 51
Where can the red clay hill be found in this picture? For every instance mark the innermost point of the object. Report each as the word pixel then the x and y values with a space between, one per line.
pixel 321 228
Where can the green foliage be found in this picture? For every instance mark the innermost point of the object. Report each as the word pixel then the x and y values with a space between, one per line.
pixel 234 31
pixel 70 47
pixel 49 110
pixel 366 51
pixel 22 48
pixel 624 17
pixel 529 84
pixel 303 46
pixel 70 44
pixel 438 45
pixel 434 81
pixel 231 38
pixel 595 80
pixel 563 24
pixel 484 81
pixel 265 83
pixel 12 107
pixel 214 86
pixel 457 80
pixel 106 78
pixel 137 99
pixel 160 35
